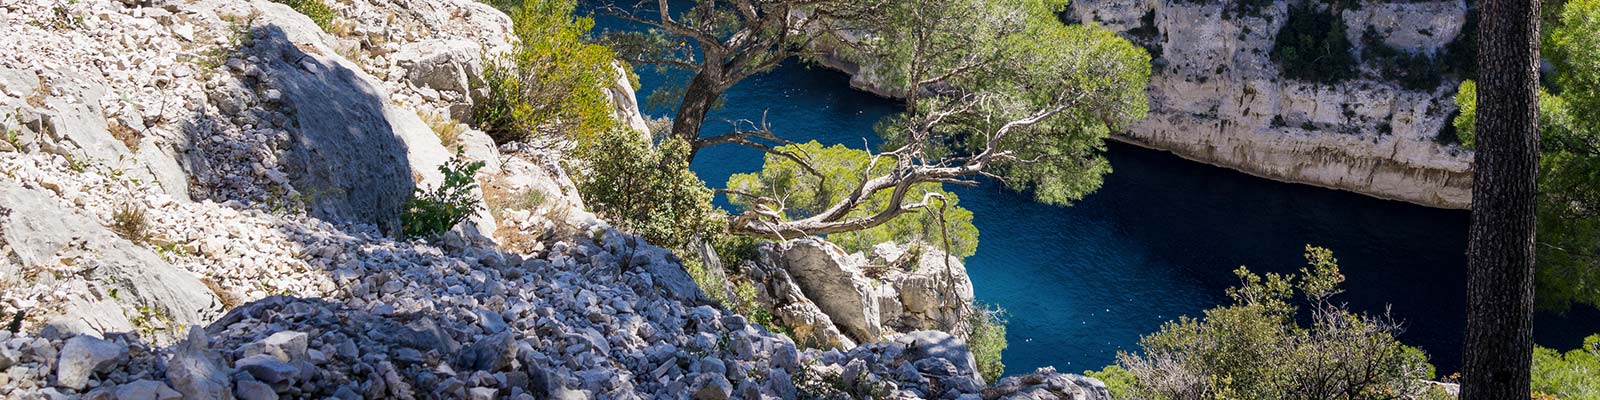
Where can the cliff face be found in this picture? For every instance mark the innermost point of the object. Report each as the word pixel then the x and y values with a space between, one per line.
pixel 1217 97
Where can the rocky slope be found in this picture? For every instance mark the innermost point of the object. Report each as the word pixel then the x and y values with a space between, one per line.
pixel 266 159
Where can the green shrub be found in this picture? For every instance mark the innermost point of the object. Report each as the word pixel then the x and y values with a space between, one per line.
pixel 841 168
pixel 988 341
pixel 1574 375
pixel 1412 71
pixel 1117 379
pixel 1312 46
pixel 1256 349
pixel 431 212
pixel 553 79
pixel 318 11
pixel 648 191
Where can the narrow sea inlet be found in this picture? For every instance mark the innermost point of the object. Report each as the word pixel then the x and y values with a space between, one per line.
pixel 1159 240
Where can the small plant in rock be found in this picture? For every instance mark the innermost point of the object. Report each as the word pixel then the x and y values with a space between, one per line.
pixel 130 222
pixel 448 130
pixel 14 139
pixel 318 11
pixel 431 212
pixel 988 340
pixel 151 321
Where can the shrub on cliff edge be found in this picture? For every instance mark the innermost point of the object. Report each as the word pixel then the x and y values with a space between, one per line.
pixel 1312 47
pixel 1574 375
pixel 988 340
pixel 648 191
pixel 553 79
pixel 1255 348
pixel 318 11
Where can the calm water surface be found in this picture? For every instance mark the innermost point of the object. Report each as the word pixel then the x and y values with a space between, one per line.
pixel 1158 241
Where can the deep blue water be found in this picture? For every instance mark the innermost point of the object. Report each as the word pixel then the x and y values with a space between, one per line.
pixel 1159 240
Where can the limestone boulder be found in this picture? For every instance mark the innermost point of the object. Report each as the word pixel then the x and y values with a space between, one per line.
pixel 84 355
pixel 909 288
pixel 128 279
pixel 358 155
pixel 454 66
pixel 833 281
pixel 625 101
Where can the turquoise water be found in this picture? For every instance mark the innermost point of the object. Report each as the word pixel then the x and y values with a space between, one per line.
pixel 1158 241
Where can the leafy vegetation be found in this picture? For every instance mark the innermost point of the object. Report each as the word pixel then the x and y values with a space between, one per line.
pixel 647 191
pixel 1256 348
pixel 431 212
pixel 786 188
pixel 1312 46
pixel 1569 164
pixel 988 341
pixel 1414 71
pixel 318 11
pixel 552 80
pixel 1574 375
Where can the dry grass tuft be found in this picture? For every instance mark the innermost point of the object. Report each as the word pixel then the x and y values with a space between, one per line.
pixel 502 198
pixel 129 221
pixel 448 130
pixel 126 135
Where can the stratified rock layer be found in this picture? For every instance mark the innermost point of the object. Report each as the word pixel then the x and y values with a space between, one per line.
pixel 1217 97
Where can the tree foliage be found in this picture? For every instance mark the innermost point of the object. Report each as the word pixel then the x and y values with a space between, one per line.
pixel 1255 348
pixel 1312 46
pixel 1569 200
pixel 646 190
pixel 799 194
pixel 1574 375
pixel 553 79
pixel 722 42
pixel 1013 95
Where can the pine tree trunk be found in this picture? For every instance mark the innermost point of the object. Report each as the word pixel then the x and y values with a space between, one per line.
pixel 698 98
pixel 1500 247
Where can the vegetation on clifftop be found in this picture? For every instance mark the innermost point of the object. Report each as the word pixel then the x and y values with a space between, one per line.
pixel 554 80
pixel 1257 347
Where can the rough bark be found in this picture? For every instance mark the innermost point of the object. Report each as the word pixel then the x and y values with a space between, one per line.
pixel 1500 248
pixel 698 98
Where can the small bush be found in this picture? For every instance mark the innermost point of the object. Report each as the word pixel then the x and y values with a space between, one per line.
pixel 1312 46
pixel 129 222
pixel 1117 379
pixel 318 11
pixel 988 341
pixel 553 79
pixel 1419 72
pixel 1255 348
pixel 1574 375
pixel 431 212
pixel 648 191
